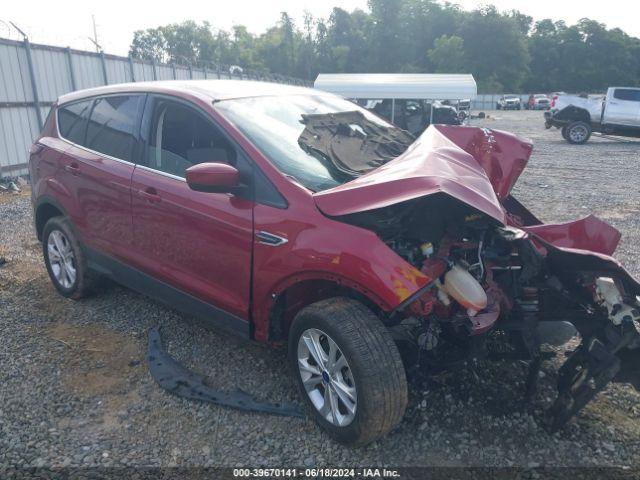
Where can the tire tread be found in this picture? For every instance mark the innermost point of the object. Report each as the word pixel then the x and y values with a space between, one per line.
pixel 381 368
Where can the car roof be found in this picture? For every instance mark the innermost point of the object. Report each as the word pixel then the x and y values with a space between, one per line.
pixel 214 90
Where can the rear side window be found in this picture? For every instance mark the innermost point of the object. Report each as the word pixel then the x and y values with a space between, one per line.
pixel 113 124
pixel 72 121
pixel 627 94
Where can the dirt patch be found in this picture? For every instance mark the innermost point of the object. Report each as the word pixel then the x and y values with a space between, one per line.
pixel 99 361
pixel 6 197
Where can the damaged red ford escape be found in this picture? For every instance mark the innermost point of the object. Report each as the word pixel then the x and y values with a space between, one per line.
pixel 286 214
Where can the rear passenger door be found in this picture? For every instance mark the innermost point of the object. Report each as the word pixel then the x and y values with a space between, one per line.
pixel 98 167
pixel 198 243
pixel 623 107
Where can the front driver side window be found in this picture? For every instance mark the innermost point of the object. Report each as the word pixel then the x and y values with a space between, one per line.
pixel 181 137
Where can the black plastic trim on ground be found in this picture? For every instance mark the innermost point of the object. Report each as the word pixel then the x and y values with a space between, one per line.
pixel 180 381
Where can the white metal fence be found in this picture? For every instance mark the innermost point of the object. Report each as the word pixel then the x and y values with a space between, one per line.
pixel 33 76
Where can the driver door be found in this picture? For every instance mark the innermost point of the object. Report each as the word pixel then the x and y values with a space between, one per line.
pixel 198 243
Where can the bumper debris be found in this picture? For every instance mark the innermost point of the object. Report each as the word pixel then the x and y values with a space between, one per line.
pixel 180 381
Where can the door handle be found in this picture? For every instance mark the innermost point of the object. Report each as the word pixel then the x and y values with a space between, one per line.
pixel 73 169
pixel 150 194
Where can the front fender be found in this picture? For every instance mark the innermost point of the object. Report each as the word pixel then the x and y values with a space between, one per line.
pixel 325 249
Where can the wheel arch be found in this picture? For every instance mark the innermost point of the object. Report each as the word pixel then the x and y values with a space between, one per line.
pixel 573 114
pixel 45 209
pixel 301 290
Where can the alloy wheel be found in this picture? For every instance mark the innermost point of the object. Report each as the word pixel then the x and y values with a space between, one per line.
pixel 578 133
pixel 327 377
pixel 61 259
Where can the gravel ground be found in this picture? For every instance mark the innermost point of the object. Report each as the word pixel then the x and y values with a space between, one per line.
pixel 75 389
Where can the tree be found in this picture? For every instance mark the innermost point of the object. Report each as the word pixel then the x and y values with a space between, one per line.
pixel 185 43
pixel 524 21
pixel 347 36
pixel 505 51
pixel 149 44
pixel 447 55
pixel 495 49
pixel 385 35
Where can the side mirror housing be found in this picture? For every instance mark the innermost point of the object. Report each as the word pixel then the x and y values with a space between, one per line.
pixel 213 177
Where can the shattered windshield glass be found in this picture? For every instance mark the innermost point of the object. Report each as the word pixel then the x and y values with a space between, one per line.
pixel 321 141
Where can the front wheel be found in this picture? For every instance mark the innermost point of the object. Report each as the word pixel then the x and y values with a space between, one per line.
pixel 578 133
pixel 348 370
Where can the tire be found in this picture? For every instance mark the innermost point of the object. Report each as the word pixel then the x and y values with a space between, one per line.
pixel 563 131
pixel 578 132
pixel 374 374
pixel 58 234
pixel 498 106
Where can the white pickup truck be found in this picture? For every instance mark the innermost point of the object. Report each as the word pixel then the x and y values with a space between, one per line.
pixel 617 113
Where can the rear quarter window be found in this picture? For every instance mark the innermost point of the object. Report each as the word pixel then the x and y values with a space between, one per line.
pixel 112 126
pixel 72 121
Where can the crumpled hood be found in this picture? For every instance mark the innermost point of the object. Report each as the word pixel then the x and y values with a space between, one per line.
pixel 474 165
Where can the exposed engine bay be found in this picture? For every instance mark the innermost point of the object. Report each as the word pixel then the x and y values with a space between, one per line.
pixel 490 279
pixel 494 268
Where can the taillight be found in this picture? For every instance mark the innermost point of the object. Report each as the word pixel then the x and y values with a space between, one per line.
pixel 553 101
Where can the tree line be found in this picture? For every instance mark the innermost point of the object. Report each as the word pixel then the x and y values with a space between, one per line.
pixel 505 51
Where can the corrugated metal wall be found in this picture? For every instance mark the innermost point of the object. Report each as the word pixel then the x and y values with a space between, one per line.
pixel 53 71
pixel 488 101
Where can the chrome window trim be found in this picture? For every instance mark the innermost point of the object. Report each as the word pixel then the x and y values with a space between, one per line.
pixel 160 172
pixel 94 151
pixel 126 162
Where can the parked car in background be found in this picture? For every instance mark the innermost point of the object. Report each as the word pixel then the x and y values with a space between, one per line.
pixel 530 102
pixel 539 101
pixel 464 104
pixel 509 102
pixel 617 113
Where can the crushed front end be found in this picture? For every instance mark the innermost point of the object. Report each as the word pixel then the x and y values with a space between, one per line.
pixel 445 206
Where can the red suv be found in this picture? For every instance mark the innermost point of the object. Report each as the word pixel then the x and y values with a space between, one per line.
pixel 286 214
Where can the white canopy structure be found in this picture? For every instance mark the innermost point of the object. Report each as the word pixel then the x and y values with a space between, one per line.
pixel 426 86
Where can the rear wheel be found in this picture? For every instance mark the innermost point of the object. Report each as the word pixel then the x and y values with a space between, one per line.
pixel 578 132
pixel 348 369
pixel 65 260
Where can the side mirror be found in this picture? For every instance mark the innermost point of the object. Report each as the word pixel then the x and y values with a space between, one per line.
pixel 213 177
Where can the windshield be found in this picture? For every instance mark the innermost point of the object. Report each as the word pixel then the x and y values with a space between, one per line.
pixel 274 124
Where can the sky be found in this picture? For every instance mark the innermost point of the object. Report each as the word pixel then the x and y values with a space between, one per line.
pixel 69 22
